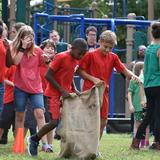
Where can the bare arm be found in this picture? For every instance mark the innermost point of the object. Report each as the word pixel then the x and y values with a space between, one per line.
pixel 10 83
pixel 87 76
pixel 131 107
pixel 158 54
pixel 131 75
pixel 142 95
pixel 9 61
pixel 50 78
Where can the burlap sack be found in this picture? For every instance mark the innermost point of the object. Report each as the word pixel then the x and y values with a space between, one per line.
pixel 80 124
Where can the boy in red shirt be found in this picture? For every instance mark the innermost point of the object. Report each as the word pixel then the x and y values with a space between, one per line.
pixel 60 76
pixel 97 66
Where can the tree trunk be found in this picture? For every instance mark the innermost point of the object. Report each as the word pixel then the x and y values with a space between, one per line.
pixel 12 13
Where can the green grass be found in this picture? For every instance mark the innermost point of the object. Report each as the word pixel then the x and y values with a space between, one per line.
pixel 112 147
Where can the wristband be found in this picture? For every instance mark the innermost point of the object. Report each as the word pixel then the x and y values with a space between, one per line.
pixel 22 50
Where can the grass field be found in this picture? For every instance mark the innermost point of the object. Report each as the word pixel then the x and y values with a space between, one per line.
pixel 112 147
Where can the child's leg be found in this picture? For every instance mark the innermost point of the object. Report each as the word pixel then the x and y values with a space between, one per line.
pixel 1 132
pixel 104 113
pixel 33 141
pixel 20 100
pixel 103 125
pixel 7 118
pixel 4 138
pixel 33 131
pixel 50 138
pixel 147 136
pixel 136 125
pixel 48 118
pixel 39 115
pixel 44 130
pixel 19 121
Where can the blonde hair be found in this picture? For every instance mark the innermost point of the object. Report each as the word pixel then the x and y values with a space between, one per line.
pixel 109 37
pixel 137 68
pixel 17 44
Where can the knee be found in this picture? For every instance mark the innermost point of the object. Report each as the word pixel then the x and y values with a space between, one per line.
pixel 19 117
pixel 54 122
pixel 39 114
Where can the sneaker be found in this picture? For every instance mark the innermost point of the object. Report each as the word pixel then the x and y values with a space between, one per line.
pixel 155 146
pixel 142 143
pixel 57 137
pixel 98 155
pixel 135 144
pixel 32 147
pixel 47 148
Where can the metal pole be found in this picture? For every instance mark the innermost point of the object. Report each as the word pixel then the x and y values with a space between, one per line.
pixel 130 40
pixel 111 86
pixel 114 9
pixel 82 27
pixel 124 8
pixel 36 28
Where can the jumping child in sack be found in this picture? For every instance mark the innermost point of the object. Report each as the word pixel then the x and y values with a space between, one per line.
pixel 60 76
pixel 97 67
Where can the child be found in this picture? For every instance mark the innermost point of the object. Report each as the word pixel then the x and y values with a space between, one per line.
pixel 152 90
pixel 97 67
pixel 5 60
pixel 60 76
pixel 9 74
pixel 8 113
pixel 135 96
pixel 48 48
pixel 28 58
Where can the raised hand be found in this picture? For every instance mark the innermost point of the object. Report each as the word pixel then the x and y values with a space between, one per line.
pixel 27 42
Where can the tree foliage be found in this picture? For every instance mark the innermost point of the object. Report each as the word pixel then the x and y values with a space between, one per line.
pixel 139 7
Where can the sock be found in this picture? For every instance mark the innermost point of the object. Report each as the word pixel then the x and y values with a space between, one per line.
pixel 142 143
pixel 147 143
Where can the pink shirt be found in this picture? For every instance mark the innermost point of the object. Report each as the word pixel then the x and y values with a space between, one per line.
pixel 27 76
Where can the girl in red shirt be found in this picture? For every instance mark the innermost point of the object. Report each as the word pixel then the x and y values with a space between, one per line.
pixel 28 85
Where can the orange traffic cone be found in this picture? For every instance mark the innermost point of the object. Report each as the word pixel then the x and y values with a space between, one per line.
pixel 18 146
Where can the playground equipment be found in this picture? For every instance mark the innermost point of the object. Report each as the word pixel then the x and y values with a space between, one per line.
pixel 43 32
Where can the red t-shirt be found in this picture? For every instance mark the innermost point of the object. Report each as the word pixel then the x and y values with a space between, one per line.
pixel 63 66
pixel 9 75
pixel 27 76
pixel 2 60
pixel 43 70
pixel 100 66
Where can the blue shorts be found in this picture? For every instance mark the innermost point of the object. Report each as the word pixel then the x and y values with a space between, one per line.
pixel 21 97
pixel 1 96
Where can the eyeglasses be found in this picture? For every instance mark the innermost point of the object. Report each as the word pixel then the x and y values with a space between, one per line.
pixel 92 35
pixel 142 49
